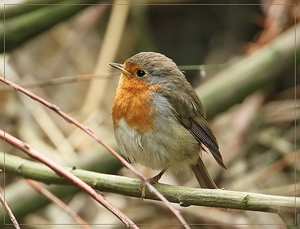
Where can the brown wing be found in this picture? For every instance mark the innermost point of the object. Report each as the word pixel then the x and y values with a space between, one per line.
pixel 189 111
pixel 200 129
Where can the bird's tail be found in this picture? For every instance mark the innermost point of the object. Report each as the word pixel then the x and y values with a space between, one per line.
pixel 202 175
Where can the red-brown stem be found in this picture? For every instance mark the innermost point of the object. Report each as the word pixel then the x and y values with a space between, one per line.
pixel 8 210
pixel 66 174
pixel 58 202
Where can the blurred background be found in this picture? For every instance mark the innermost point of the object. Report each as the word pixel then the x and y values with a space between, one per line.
pixel 60 51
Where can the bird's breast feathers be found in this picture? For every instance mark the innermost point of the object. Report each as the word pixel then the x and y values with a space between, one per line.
pixel 150 134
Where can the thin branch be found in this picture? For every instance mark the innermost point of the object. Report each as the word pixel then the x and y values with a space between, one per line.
pixel 69 119
pixel 102 162
pixel 66 174
pixel 113 36
pixel 8 210
pixel 59 203
pixel 64 80
pixel 183 196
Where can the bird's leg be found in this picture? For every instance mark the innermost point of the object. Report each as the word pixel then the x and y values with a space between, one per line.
pixel 152 180
pixel 157 177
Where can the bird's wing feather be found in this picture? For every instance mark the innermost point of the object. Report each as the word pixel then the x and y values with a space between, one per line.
pixel 189 111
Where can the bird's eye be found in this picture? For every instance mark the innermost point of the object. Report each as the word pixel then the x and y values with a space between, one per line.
pixel 140 73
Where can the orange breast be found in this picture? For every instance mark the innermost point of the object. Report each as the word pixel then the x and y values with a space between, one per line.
pixel 133 103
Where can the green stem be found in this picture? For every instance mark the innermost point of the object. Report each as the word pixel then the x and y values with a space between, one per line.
pixel 256 71
pixel 183 196
pixel 15 31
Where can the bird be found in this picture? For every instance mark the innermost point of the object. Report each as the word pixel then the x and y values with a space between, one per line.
pixel 159 120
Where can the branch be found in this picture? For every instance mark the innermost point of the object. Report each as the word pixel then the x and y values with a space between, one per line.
pixel 59 203
pixel 98 160
pixel 9 10
pixel 67 175
pixel 8 210
pixel 256 71
pixel 16 30
pixel 183 196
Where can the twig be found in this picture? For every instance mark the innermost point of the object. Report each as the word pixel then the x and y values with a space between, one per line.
pixel 90 133
pixel 66 174
pixel 58 202
pixel 102 161
pixel 265 173
pixel 240 124
pixel 109 48
pixel 9 212
pixel 64 80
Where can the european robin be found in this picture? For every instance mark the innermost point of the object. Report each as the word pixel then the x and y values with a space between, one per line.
pixel 159 121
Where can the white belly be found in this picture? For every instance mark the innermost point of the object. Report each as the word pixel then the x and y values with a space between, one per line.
pixel 169 144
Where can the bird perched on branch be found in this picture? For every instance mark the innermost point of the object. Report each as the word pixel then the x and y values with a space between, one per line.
pixel 158 119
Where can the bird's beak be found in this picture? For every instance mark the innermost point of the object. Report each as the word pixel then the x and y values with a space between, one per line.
pixel 120 67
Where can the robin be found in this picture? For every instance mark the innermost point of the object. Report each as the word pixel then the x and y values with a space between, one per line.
pixel 158 119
